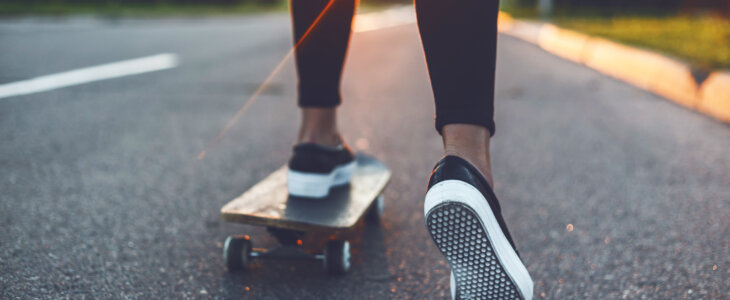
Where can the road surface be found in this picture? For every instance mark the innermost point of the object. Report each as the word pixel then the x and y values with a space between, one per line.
pixel 609 191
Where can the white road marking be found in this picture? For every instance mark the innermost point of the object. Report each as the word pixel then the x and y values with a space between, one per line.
pixel 80 76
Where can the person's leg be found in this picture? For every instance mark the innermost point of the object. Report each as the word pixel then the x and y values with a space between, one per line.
pixel 460 43
pixel 320 55
pixel 320 160
pixel 463 216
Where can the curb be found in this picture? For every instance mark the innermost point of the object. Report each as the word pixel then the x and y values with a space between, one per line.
pixel 651 71
pixel 715 96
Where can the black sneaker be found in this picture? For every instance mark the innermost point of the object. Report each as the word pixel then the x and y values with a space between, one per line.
pixel 314 169
pixel 464 220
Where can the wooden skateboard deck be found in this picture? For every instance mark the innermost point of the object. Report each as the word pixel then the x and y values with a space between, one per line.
pixel 288 218
pixel 269 204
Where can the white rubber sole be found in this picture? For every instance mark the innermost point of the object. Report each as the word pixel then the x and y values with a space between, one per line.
pixel 483 263
pixel 312 185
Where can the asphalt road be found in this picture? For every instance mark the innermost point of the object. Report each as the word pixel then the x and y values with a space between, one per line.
pixel 610 192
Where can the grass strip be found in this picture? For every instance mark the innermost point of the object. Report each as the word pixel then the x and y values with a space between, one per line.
pixel 110 9
pixel 703 41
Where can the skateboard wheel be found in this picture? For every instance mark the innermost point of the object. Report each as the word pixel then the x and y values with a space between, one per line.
pixel 337 257
pixel 376 209
pixel 237 252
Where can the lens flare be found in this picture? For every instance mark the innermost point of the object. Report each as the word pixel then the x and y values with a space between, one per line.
pixel 252 99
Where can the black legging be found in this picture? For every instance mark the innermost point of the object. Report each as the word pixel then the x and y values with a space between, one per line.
pixel 459 39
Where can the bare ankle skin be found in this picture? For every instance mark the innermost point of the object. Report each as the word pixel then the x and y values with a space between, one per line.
pixel 470 142
pixel 319 126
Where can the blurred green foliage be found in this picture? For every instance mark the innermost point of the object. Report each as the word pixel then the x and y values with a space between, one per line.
pixel 697 31
pixel 598 8
pixel 138 8
pixel 159 7
pixel 132 2
pixel 703 41
pixel 172 2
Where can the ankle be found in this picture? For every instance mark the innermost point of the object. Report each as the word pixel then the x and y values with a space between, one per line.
pixel 324 138
pixel 319 126
pixel 471 143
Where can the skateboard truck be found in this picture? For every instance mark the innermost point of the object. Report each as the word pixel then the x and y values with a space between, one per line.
pixel 238 251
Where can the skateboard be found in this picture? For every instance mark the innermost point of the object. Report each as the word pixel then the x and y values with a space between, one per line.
pixel 289 218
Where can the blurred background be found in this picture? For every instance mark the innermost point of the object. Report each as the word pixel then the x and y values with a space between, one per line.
pixel 126 125
pixel 694 30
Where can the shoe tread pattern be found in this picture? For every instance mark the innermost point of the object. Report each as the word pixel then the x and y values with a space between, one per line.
pixel 459 234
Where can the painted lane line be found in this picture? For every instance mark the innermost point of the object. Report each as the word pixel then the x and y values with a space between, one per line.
pixel 85 75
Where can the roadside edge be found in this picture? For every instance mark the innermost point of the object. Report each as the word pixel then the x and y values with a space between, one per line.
pixel 648 70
